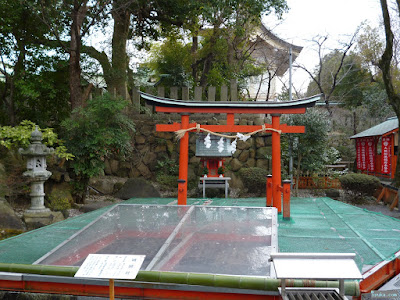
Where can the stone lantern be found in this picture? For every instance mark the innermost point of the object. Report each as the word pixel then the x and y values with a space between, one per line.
pixel 36 164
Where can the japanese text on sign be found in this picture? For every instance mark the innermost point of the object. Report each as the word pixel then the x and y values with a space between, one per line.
pixel 111 266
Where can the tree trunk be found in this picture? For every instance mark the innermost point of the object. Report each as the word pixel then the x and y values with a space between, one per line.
pixel 9 100
pixel 209 60
pixel 296 191
pixel 328 106
pixel 386 68
pixel 193 52
pixel 206 69
pixel 120 59
pixel 103 60
pixel 269 86
pixel 78 15
pixel 19 70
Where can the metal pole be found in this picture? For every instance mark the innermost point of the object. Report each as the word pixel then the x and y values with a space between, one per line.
pixel 290 74
pixel 291 162
pixel 290 99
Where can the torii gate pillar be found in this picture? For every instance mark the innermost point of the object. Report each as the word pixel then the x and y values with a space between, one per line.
pixel 183 161
pixel 276 164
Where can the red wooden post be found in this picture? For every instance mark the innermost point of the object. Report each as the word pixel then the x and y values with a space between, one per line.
pixel 276 164
pixel 286 199
pixel 393 159
pixel 183 161
pixel 269 190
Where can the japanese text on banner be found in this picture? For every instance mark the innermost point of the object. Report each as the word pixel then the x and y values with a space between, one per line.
pixel 386 154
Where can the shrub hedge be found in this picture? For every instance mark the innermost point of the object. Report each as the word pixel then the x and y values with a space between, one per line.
pixel 254 179
pixel 359 184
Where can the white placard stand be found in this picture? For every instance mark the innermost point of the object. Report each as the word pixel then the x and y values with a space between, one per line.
pixel 111 266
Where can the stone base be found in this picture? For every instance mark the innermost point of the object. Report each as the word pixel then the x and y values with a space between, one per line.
pixel 37 219
pixel 37 211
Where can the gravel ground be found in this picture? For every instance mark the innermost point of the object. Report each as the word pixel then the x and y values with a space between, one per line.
pixel 382 208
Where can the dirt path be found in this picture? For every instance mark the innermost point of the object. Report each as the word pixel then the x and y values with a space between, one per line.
pixel 381 208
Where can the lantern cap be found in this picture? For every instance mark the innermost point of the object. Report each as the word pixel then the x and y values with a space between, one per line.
pixel 36 135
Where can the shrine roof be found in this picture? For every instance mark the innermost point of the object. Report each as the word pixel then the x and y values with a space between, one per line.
pixel 212 151
pixel 187 104
pixel 380 129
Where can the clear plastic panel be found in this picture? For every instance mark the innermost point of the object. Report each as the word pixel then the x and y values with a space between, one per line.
pixel 222 240
pixel 126 229
pixel 200 239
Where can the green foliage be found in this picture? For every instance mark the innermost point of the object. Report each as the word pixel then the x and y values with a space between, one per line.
pixel 7 233
pixel 19 137
pixel 58 201
pixel 167 166
pixel 356 89
pixel 171 62
pixel 35 80
pixel 254 179
pixel 167 180
pixel 221 170
pixel 42 94
pixel 359 185
pixel 96 132
pixel 223 52
pixel 310 148
pixel 354 80
pixel 375 101
pixel 205 171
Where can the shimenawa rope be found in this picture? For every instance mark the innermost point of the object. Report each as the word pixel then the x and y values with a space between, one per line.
pixel 181 132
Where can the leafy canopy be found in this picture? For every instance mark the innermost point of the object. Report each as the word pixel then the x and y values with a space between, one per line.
pixel 96 132
pixel 310 151
pixel 19 136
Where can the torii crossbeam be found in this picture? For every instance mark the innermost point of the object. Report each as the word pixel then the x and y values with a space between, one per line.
pixel 230 108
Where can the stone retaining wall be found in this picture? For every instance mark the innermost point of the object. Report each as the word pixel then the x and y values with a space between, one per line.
pixel 152 148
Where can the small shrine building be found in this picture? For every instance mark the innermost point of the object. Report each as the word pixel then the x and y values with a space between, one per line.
pixel 376 149
pixel 212 159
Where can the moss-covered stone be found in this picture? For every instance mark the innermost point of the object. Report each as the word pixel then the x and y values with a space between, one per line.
pixel 263 152
pixel 244 156
pixel 235 165
pixel 8 219
pixel 3 178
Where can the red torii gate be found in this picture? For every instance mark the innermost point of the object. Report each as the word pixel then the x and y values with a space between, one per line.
pixel 276 109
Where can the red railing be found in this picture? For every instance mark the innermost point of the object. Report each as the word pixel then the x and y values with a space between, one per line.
pixel 318 182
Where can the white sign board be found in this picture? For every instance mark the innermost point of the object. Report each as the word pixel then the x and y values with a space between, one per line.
pixel 111 266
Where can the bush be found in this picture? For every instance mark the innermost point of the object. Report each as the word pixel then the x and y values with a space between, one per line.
pixel 166 180
pixel 93 133
pixel 167 166
pixel 254 179
pixel 58 201
pixel 359 185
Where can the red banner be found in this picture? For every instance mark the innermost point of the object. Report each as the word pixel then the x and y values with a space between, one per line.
pixel 386 154
pixel 358 153
pixel 370 151
pixel 363 156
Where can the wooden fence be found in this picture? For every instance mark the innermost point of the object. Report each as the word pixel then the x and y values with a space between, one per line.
pixel 198 93
pixel 318 182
